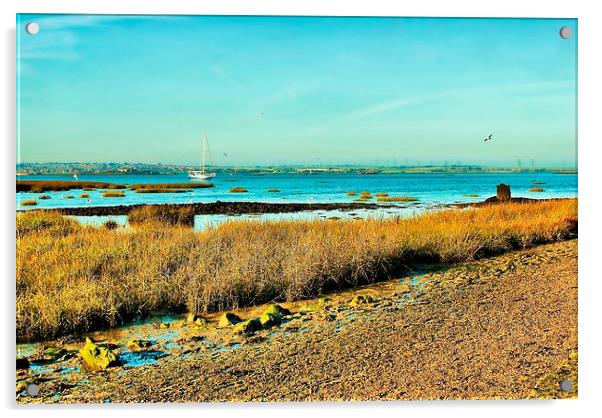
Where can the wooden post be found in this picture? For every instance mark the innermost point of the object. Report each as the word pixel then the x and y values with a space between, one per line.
pixel 503 192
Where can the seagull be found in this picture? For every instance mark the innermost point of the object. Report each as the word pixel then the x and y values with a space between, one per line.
pixel 75 176
pixel 489 138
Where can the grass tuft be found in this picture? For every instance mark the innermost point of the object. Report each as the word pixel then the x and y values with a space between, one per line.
pixel 238 189
pixel 29 202
pixel 108 193
pixel 396 199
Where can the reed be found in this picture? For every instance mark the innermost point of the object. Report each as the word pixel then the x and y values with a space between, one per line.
pixel 160 190
pixel 164 186
pixel 238 189
pixel 73 278
pixel 108 193
pixel 162 214
pixel 39 186
pixel 29 202
pixel 396 199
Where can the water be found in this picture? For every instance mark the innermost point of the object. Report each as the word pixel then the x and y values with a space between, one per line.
pixel 430 189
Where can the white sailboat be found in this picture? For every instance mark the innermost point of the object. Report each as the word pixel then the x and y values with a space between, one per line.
pixel 202 174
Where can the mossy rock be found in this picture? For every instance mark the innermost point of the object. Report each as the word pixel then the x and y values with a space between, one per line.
pixel 268 319
pixel 361 300
pixel 247 327
pixel 50 354
pixel 139 344
pixel 277 309
pixel 228 319
pixel 96 357
pixel 196 319
pixel 22 363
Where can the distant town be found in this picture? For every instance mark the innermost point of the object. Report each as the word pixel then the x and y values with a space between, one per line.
pixel 148 168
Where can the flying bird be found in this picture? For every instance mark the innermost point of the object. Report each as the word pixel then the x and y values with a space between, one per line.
pixel 488 138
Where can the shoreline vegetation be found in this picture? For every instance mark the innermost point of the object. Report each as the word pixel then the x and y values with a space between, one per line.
pixel 73 278
pixel 215 208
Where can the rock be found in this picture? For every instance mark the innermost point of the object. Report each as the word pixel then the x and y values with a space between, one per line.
pixel 197 319
pixel 277 309
pixel 96 357
pixel 272 316
pixel 247 327
pixel 361 300
pixel 503 192
pixel 139 344
pixel 22 363
pixel 21 386
pixel 228 319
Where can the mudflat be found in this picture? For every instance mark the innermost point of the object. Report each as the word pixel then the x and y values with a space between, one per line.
pixel 503 327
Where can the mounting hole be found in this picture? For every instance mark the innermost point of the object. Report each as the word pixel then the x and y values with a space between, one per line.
pixel 33 389
pixel 565 32
pixel 565 385
pixel 32 28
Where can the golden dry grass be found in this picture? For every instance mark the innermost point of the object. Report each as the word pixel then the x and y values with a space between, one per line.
pixel 351 194
pixel 536 189
pixel 396 199
pixel 38 186
pixel 165 186
pixel 73 278
pixel 29 202
pixel 162 215
pixel 108 193
pixel 238 189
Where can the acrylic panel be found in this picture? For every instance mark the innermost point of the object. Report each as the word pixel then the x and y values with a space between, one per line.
pixel 264 208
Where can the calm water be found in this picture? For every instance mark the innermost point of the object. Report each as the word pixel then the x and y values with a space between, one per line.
pixel 430 189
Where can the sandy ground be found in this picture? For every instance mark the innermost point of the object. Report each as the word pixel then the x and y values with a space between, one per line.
pixel 505 327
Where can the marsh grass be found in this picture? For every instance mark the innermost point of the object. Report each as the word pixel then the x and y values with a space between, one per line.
pixel 536 189
pixel 273 190
pixel 396 199
pixel 108 193
pixel 351 194
pixel 44 197
pixel 84 196
pixel 73 278
pixel 381 194
pixel 69 196
pixel 29 202
pixel 160 190
pixel 162 215
pixel 166 186
pixel 238 189
pixel 472 195
pixel 39 186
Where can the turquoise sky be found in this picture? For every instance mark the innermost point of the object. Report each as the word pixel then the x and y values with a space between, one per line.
pixel 280 90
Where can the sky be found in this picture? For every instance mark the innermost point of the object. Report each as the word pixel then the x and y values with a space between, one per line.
pixel 296 90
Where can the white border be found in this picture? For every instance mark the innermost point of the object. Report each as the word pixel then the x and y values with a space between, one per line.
pixel 590 289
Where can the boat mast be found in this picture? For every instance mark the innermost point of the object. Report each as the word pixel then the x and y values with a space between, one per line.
pixel 204 152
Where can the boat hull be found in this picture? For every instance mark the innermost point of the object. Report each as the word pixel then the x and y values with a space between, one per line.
pixel 200 176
